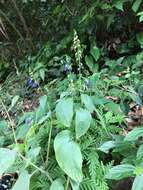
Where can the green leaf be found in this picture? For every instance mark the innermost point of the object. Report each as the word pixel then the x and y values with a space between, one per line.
pixel 120 171
pixel 115 108
pixel 119 5
pixel 42 74
pixel 57 185
pixel 134 134
pixel 64 111
pixel 7 158
pixel 136 5
pixel 140 152
pixel 14 101
pixel 138 183
pixel 107 146
pixel 68 155
pixel 88 102
pixel 74 184
pixel 90 63
pixel 140 90
pixel 95 52
pixel 23 181
pixel 82 122
pixel 140 38
pixel 42 109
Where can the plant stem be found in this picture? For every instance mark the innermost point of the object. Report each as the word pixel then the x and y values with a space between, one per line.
pixel 10 120
pixel 23 22
pixel 13 131
pixel 67 184
pixel 49 141
pixel 12 25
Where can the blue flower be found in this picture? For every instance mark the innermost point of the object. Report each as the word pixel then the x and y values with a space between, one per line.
pixel 67 67
pixel 29 81
pixel 35 85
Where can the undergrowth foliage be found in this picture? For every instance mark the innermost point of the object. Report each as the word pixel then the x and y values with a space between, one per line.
pixel 66 113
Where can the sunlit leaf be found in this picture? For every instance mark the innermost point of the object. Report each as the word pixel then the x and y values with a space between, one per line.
pixel 120 171
pixel 57 185
pixel 7 158
pixel 82 122
pixel 64 111
pixel 138 183
pixel 23 181
pixel 68 155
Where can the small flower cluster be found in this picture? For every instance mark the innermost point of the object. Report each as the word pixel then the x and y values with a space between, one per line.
pixel 67 67
pixel 32 84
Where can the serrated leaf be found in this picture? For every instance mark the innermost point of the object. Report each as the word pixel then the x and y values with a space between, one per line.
pixel 107 146
pixel 68 155
pixel 64 111
pixel 120 171
pixel 138 183
pixel 134 134
pixel 87 100
pixel 136 5
pixel 23 181
pixel 57 185
pixel 82 122
pixel 7 158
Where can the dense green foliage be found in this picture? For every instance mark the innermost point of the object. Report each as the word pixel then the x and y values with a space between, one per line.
pixel 69 72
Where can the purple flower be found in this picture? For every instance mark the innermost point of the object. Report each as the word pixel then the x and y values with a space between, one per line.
pixel 35 85
pixel 67 67
pixel 29 81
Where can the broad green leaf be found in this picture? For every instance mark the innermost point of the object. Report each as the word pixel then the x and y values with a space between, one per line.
pixel 134 134
pixel 115 108
pixel 91 64
pixel 82 122
pixel 138 183
pixel 23 181
pixel 14 101
pixel 120 171
pixel 64 111
pixel 33 153
pixel 136 5
pixel 95 52
pixel 44 118
pixel 68 155
pixel 7 158
pixel 87 100
pixel 42 74
pixel 140 152
pixel 42 109
pixel 74 184
pixel 107 146
pixel 57 185
pixel 22 131
pixel 119 5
